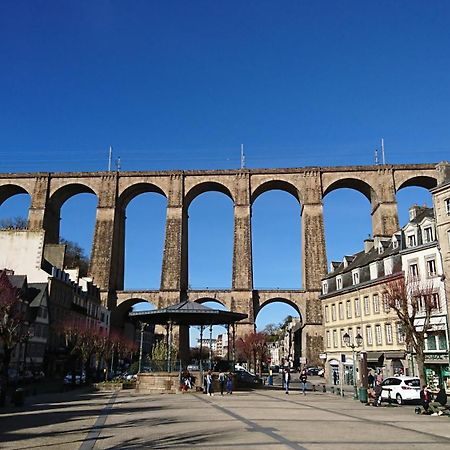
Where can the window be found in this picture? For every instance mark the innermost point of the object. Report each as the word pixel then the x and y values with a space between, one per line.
pixel 442 341
pixel 428 234
pixel 447 206
pixel 342 338
pixel 327 314
pixel 349 309
pixel 338 282
pixel 350 333
pixel 325 287
pixel 366 306
pixel 413 270
pixel 378 334
pixel 431 342
pixel 357 308
pixel 387 307
pixel 411 239
pixel 355 277
pixel 333 311
pixel 388 333
pixel 369 335
pixel 400 333
pixel 328 340
pixel 435 301
pixel 335 343
pixel 431 267
pixel 373 269
pixel 376 304
pixel 341 311
pixel 358 331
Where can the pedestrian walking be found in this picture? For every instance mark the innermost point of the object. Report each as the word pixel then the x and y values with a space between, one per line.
pixel 287 379
pixel 335 377
pixel 230 383
pixel 303 380
pixel 221 382
pixel 209 383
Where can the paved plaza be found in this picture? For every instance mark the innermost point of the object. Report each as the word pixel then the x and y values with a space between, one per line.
pixel 265 418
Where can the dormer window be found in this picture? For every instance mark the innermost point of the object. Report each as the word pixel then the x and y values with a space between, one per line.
pixel 324 287
pixel 339 282
pixel 411 239
pixel 373 269
pixel 380 249
pixel 355 276
pixel 428 234
pixel 394 243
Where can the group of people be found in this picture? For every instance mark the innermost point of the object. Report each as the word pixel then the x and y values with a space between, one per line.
pixel 287 379
pixel 436 407
pixel 225 383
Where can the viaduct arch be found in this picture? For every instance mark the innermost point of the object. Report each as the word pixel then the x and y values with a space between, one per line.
pixel 309 186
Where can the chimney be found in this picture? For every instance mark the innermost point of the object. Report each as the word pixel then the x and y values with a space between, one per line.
pixel 368 245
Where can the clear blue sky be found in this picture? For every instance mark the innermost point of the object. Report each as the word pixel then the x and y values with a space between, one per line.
pixel 180 85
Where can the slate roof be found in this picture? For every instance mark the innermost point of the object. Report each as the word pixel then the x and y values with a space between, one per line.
pixel 36 293
pixel 188 313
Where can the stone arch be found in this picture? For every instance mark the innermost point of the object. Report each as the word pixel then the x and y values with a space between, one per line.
pixel 62 194
pixel 280 185
pixel 278 299
pixel 424 181
pixel 118 314
pixel 207 186
pixel 136 189
pixel 211 299
pixel 54 204
pixel 10 190
pixel 352 183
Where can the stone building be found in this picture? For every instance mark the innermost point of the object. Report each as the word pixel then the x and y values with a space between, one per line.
pixel 352 296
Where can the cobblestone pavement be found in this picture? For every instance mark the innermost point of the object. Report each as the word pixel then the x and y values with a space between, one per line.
pixel 265 418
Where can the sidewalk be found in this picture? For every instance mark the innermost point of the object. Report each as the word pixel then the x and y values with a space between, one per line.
pixel 264 418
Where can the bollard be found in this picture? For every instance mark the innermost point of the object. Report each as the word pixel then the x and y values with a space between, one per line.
pixel 314 388
pixel 324 388
pixel 18 397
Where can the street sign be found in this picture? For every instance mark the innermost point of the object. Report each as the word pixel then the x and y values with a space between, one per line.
pixel 323 356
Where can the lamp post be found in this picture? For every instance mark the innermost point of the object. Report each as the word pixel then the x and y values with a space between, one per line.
pixel 141 346
pixel 357 342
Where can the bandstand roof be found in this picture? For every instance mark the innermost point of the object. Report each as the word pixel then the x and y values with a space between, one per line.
pixel 188 313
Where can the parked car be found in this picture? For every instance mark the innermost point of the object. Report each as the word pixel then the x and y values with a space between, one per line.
pixel 321 372
pixel 79 378
pixel 245 378
pixel 312 371
pixel 193 367
pixel 401 389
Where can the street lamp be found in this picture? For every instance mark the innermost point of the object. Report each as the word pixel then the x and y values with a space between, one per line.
pixel 353 344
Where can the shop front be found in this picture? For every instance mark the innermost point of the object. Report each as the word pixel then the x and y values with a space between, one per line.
pixel 437 370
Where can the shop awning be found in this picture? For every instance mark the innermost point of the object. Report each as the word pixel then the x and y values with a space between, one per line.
pixel 394 355
pixel 374 357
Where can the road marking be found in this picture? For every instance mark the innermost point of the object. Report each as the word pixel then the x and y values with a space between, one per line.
pixel 94 433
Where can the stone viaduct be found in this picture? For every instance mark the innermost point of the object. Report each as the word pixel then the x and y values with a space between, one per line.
pixel 114 190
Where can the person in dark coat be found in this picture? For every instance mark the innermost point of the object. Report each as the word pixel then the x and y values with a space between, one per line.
pixel 303 380
pixel 425 399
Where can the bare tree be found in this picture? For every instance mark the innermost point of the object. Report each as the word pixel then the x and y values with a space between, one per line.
pixel 75 257
pixel 14 223
pixel 253 348
pixel 411 300
pixel 13 326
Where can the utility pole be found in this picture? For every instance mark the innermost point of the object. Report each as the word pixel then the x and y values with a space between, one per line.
pixel 242 157
pixel 110 158
pixel 382 151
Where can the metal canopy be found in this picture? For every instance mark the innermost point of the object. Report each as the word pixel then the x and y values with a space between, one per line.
pixel 188 313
